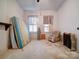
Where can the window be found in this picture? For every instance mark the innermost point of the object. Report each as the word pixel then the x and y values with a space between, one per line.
pixel 46 27
pixel 33 23
pixel 46 21
pixel 33 28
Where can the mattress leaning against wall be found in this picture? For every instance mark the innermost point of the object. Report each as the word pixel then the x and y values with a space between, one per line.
pixel 13 42
pixel 24 31
pixel 21 32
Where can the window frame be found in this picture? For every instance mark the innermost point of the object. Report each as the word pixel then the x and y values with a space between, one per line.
pixel 29 24
pixel 46 28
pixel 47 19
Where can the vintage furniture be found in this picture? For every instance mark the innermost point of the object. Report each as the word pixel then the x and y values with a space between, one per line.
pixel 55 37
pixel 42 36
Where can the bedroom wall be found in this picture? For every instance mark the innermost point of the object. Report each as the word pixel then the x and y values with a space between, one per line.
pixel 13 9
pixel 68 16
pixel 41 14
pixel 8 8
pixel 3 11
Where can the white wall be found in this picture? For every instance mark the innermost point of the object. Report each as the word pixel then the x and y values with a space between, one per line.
pixel 3 41
pixel 13 9
pixel 68 16
pixel 3 10
pixel 8 8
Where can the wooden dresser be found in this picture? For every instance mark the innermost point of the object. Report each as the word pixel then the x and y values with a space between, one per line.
pixel 42 36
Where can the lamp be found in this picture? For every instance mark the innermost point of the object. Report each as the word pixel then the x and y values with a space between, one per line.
pixel 38 0
pixel 39 8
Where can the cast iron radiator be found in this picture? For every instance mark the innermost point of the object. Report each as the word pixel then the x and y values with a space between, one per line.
pixel 67 40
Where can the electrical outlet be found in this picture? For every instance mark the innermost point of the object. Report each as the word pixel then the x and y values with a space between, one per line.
pixel 77 28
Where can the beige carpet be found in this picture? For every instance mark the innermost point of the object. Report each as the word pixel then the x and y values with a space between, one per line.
pixel 41 50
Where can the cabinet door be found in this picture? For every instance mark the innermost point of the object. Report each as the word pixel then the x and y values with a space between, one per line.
pixel 42 36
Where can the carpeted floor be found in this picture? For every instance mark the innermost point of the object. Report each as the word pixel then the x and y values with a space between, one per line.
pixel 41 50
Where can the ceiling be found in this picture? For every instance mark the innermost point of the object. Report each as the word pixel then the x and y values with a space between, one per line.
pixel 42 5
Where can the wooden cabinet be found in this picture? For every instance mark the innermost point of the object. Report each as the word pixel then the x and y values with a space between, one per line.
pixel 42 36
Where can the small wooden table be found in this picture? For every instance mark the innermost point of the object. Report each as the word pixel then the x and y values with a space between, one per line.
pixel 42 36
